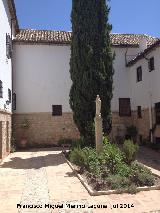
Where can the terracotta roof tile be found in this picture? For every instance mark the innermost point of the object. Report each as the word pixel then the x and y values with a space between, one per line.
pixel 144 53
pixel 62 37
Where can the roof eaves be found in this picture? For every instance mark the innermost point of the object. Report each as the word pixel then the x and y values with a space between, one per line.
pixel 143 54
pixel 12 10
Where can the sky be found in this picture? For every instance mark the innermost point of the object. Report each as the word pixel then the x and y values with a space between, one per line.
pixel 126 16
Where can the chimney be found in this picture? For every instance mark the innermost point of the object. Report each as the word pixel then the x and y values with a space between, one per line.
pixel 142 44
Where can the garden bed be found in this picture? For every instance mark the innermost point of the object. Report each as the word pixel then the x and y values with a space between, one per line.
pixel 96 186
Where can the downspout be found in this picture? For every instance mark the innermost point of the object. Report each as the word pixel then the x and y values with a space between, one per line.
pixel 150 110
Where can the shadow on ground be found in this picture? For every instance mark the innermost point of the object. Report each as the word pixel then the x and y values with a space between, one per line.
pixel 34 162
pixel 149 157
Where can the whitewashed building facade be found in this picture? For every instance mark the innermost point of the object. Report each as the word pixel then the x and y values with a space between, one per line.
pixel 8 30
pixel 35 84
pixel 42 84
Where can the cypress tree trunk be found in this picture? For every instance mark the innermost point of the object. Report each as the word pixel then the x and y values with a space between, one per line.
pixel 90 65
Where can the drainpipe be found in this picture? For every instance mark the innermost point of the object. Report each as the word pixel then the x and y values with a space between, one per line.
pixel 150 109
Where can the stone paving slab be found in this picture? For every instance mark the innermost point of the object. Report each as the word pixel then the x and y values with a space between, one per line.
pixel 43 177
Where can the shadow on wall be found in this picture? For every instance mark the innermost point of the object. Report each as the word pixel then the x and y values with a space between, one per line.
pixel 35 162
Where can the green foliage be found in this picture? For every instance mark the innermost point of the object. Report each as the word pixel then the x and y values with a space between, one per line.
pixel 130 150
pixel 123 170
pixel 132 131
pixel 91 66
pixel 132 189
pixel 112 157
pixel 118 182
pixel 78 157
pixel 79 143
pixel 109 167
pixel 141 175
pixel 106 140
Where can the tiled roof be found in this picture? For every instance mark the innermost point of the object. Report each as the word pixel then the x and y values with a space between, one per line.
pixel 62 37
pixel 12 10
pixel 144 53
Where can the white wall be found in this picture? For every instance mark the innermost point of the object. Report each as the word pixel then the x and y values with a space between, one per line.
pixel 5 64
pixel 121 82
pixel 147 91
pixel 42 78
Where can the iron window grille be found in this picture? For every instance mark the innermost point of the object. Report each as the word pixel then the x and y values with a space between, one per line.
pixel 124 107
pixel 151 64
pixel 56 110
pixel 139 74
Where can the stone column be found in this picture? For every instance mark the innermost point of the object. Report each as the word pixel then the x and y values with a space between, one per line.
pixel 98 126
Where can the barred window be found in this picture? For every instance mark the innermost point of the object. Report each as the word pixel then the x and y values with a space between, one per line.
pixel 124 107
pixel 57 110
pixel 9 95
pixel 151 64
pixel 14 101
pixel 1 89
pixel 139 74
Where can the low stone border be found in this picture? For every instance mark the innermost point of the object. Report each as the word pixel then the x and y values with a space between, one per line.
pixel 98 193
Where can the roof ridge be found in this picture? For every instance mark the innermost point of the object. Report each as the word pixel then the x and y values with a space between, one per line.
pixel 129 34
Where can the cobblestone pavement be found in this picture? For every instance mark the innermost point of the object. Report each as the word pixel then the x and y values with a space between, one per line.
pixel 42 177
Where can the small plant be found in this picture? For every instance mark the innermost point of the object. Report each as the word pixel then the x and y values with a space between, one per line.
pixel 130 151
pixel 132 132
pixel 78 157
pixel 118 182
pixel 25 124
pixel 79 143
pixel 112 157
pixel 141 175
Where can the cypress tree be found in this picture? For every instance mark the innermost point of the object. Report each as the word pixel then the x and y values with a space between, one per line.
pixel 91 65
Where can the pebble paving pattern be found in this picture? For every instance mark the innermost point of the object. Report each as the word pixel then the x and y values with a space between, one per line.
pixel 36 190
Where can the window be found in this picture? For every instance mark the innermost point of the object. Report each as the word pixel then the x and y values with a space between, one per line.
pixel 139 112
pixel 1 89
pixel 157 112
pixel 8 46
pixel 124 107
pixel 151 64
pixel 14 101
pixel 57 110
pixel 9 95
pixel 139 74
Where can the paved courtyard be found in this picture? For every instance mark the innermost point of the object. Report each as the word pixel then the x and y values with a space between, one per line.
pixel 42 177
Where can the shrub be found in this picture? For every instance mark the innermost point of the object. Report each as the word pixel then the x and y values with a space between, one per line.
pixel 141 175
pixel 132 189
pixel 124 170
pixel 118 182
pixel 106 140
pixel 78 157
pixel 79 143
pixel 130 150
pixel 132 131
pixel 111 157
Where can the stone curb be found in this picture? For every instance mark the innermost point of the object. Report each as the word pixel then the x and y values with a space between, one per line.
pixel 98 193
